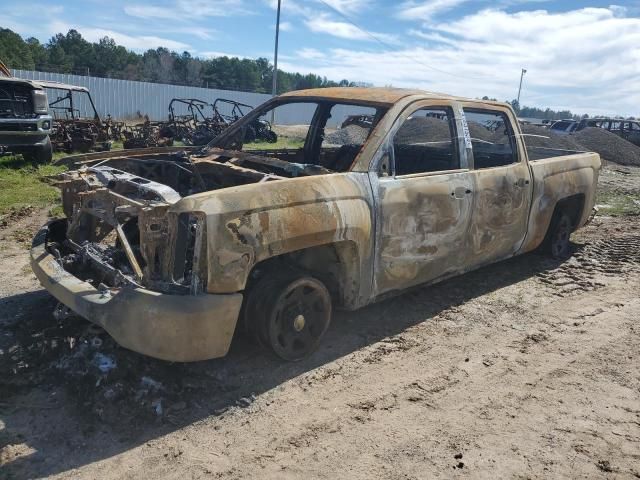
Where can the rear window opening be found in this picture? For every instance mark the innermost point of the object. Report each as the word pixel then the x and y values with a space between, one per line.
pixel 492 138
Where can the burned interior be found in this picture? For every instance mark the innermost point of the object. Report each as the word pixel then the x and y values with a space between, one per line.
pixel 120 231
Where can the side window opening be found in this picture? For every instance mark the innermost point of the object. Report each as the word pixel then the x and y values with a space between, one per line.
pixel 492 138
pixel 346 129
pixel 426 142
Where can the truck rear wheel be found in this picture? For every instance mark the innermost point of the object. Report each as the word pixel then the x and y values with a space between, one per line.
pixel 288 312
pixel 556 242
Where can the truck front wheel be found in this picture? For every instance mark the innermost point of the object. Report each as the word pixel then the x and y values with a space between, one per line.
pixel 289 312
pixel 39 154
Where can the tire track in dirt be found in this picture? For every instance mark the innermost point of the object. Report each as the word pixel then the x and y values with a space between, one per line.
pixel 584 271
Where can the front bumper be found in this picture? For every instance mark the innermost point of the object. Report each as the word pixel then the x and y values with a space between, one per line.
pixel 180 328
pixel 25 132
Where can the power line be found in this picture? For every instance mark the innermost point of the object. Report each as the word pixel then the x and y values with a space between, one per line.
pixel 388 45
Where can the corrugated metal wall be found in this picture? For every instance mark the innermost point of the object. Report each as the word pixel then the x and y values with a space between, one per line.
pixel 126 99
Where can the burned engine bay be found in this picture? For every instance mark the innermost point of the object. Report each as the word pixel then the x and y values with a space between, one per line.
pixel 118 230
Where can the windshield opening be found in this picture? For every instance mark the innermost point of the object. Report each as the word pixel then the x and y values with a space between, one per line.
pixel 318 136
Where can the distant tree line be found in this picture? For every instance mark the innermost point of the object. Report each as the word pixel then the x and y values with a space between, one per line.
pixel 71 53
pixel 543 114
pixel 547 113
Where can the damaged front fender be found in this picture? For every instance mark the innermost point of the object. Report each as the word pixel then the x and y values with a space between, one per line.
pixel 181 328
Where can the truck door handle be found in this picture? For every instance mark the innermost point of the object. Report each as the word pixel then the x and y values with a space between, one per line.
pixel 460 192
pixel 521 182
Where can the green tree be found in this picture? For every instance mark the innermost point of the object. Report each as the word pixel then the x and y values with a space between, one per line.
pixel 71 53
pixel 14 52
pixel 39 53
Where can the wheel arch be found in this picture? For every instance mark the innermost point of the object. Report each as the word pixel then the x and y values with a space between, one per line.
pixel 573 206
pixel 336 264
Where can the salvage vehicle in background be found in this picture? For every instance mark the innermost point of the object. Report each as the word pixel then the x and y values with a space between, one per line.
pixel 627 129
pixel 147 134
pixel 172 251
pixel 564 127
pixel 77 126
pixel 25 122
pixel 190 122
pixel 260 130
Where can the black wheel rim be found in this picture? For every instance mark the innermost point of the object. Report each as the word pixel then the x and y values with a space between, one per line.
pixel 560 240
pixel 299 318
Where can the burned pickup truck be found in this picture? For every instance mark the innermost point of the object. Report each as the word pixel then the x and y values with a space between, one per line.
pixel 173 251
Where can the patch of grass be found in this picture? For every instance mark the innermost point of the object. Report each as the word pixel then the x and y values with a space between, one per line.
pixel 21 185
pixel 56 211
pixel 282 143
pixel 618 204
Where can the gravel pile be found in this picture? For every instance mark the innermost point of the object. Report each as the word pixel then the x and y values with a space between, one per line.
pixel 416 129
pixel 350 135
pixel 610 146
pixel 479 132
pixel 563 142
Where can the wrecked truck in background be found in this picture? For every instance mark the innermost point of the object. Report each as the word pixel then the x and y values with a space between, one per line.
pixel 173 250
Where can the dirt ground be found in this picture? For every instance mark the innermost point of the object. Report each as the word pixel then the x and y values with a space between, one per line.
pixel 525 369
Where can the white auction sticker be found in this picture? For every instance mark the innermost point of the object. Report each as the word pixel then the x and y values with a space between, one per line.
pixel 465 128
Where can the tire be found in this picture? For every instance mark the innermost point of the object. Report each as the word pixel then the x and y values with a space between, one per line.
pixel 288 312
pixel 556 243
pixel 40 154
pixel 249 134
pixel 270 136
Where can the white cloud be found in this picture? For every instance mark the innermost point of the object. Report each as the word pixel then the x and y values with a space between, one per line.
pixel 431 36
pixel 310 53
pixel 324 24
pixel 183 9
pixel 142 42
pixel 29 9
pixel 149 11
pixel 587 59
pixel 284 26
pixel 220 54
pixel 412 10
pixel 211 8
pixel 290 7
pixel 347 6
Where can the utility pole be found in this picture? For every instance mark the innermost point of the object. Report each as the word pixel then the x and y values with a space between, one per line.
pixel 520 87
pixel 274 89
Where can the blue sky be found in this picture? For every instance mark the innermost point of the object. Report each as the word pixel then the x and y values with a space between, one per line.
pixel 579 55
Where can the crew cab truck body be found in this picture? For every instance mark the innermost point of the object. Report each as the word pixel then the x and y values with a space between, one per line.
pixel 25 122
pixel 172 251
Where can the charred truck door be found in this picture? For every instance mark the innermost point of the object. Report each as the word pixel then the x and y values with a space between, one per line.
pixel 424 195
pixel 502 182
